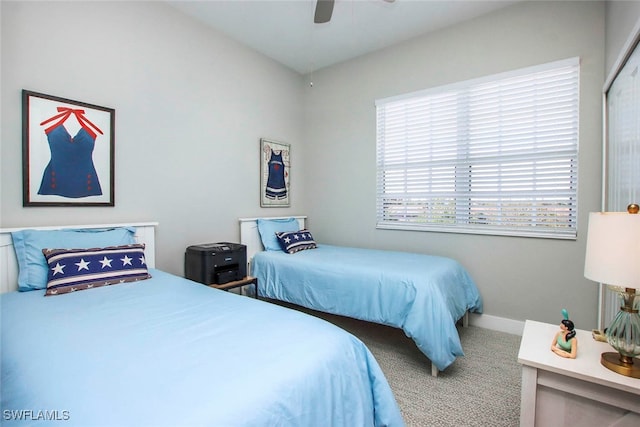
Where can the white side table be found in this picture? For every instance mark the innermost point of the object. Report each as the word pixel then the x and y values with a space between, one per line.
pixel 572 392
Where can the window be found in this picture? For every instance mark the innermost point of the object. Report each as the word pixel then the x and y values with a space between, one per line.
pixel 623 130
pixel 622 179
pixel 496 155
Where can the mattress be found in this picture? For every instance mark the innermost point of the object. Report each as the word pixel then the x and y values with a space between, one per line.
pixel 167 352
pixel 422 294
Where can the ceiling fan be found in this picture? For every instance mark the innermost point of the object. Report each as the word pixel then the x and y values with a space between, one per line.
pixel 324 9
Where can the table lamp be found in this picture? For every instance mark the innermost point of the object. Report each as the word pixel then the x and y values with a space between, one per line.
pixel 613 258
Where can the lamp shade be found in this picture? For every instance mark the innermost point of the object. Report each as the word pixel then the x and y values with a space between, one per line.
pixel 613 249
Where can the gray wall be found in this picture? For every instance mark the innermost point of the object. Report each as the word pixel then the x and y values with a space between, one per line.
pixel 519 278
pixel 191 106
pixel 621 18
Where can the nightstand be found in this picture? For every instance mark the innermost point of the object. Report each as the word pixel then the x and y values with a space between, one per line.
pixel 572 392
pixel 248 280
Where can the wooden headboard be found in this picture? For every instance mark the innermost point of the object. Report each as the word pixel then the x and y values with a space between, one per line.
pixel 250 236
pixel 145 233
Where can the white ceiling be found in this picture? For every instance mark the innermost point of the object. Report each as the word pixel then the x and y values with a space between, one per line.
pixel 284 30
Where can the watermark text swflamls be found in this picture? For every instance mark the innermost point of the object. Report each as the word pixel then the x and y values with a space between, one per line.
pixel 35 415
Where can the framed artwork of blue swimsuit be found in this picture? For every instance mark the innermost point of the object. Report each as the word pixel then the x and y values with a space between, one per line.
pixel 68 149
pixel 274 173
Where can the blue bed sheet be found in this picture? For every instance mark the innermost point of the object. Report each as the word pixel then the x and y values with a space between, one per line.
pixel 170 352
pixel 422 294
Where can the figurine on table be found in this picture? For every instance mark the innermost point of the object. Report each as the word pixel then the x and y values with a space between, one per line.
pixel 565 343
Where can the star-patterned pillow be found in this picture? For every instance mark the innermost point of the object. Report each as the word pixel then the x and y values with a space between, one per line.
pixel 78 269
pixel 295 241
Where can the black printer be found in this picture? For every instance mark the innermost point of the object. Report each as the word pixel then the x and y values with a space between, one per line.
pixel 216 263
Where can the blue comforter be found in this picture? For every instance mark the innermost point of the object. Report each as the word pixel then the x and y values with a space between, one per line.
pixel 422 294
pixel 170 352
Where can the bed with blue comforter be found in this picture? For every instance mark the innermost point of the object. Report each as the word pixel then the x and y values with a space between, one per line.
pixel 422 294
pixel 169 352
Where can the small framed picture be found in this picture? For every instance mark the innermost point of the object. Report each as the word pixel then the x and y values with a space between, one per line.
pixel 275 179
pixel 67 152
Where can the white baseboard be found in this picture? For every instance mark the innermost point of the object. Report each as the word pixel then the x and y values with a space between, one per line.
pixel 496 323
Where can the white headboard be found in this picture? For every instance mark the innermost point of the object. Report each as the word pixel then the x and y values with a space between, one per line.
pixel 250 236
pixel 145 233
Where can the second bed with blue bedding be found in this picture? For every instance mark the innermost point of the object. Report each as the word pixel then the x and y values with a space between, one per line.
pixel 422 294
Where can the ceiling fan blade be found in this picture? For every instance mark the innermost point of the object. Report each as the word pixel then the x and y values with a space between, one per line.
pixel 324 9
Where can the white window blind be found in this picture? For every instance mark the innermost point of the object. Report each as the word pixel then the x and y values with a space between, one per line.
pixel 623 137
pixel 623 154
pixel 496 155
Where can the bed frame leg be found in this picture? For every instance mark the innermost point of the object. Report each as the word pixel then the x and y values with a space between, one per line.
pixel 434 370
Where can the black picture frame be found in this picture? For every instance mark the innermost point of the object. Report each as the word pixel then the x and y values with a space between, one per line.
pixel 68 152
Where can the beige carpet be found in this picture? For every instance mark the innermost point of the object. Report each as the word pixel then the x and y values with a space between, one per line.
pixel 480 389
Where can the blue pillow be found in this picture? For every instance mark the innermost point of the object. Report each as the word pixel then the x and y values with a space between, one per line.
pixel 73 270
pixel 296 241
pixel 29 244
pixel 269 227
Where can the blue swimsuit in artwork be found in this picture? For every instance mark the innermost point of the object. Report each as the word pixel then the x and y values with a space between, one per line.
pixel 276 185
pixel 70 172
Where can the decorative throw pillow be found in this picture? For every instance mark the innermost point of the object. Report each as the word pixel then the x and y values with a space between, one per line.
pixel 295 241
pixel 28 245
pixel 77 269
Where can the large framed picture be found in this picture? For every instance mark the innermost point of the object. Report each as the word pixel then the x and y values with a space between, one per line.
pixel 67 152
pixel 275 179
